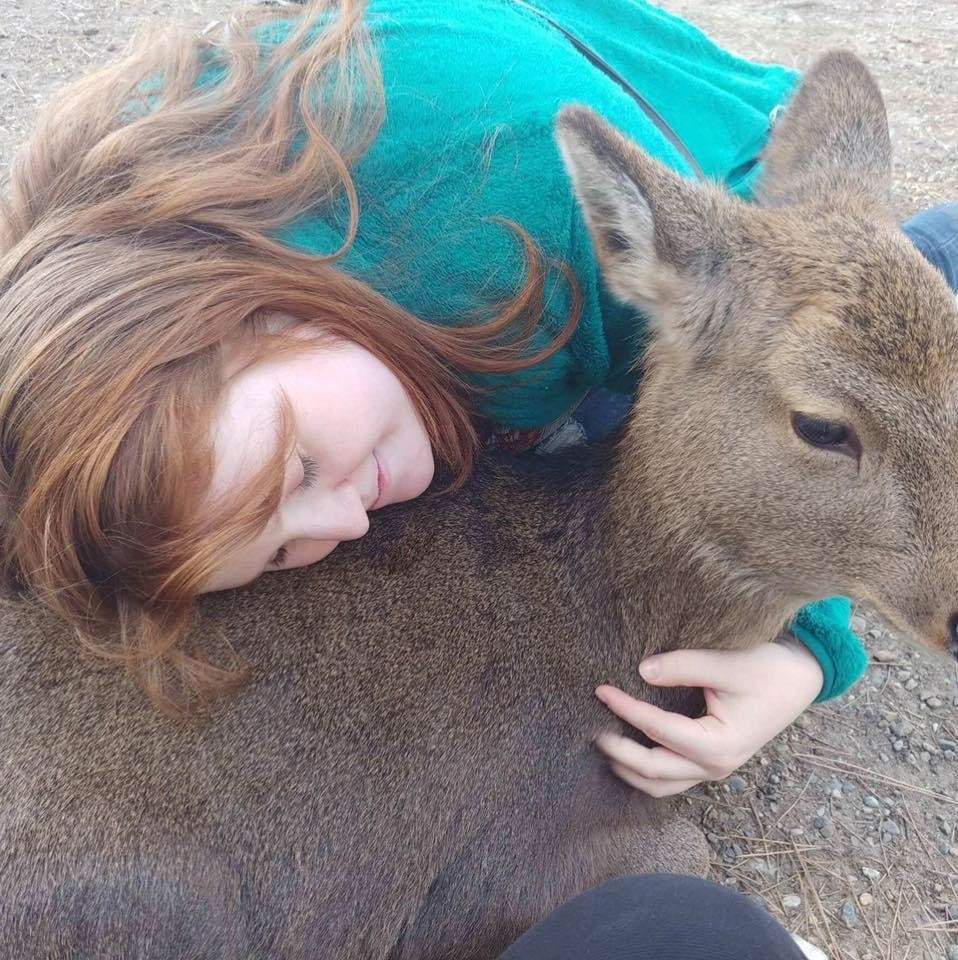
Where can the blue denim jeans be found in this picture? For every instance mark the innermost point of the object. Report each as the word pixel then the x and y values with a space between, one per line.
pixel 933 231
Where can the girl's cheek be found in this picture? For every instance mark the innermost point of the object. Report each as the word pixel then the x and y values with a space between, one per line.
pixel 303 553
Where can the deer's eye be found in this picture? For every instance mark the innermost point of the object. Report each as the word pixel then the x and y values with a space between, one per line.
pixel 826 434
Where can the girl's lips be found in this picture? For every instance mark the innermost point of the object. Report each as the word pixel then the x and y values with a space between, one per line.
pixel 381 478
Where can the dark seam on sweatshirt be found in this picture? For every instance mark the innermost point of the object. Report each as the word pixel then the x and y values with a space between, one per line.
pixel 627 87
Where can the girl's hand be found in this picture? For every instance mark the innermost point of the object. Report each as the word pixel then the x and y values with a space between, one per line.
pixel 750 696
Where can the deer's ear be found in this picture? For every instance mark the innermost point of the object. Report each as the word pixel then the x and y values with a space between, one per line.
pixel 833 137
pixel 659 238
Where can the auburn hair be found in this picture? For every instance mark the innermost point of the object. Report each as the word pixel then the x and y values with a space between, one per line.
pixel 135 241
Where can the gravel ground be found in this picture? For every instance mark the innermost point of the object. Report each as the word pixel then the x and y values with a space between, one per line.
pixel 846 826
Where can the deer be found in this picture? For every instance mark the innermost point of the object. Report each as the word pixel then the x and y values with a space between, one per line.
pixel 411 775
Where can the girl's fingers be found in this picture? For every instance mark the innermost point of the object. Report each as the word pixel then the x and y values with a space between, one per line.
pixel 717 669
pixel 650 763
pixel 654 788
pixel 679 733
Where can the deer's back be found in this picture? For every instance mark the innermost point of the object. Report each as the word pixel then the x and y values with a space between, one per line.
pixel 414 744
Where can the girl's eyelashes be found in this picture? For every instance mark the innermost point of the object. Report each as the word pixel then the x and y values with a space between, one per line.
pixel 310 471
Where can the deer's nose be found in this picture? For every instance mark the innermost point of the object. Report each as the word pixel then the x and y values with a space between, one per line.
pixel 953 635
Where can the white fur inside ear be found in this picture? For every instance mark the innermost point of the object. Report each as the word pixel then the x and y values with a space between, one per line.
pixel 618 216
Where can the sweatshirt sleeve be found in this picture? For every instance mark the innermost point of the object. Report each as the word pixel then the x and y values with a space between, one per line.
pixel 825 628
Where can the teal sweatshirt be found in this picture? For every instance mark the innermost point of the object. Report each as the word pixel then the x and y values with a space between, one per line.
pixel 472 92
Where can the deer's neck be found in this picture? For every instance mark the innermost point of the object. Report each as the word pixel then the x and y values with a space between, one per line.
pixel 676 588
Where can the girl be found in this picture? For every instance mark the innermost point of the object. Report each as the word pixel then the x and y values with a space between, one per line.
pixel 260 283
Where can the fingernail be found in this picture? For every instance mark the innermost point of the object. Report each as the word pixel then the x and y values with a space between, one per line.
pixel 603 741
pixel 649 669
pixel 601 694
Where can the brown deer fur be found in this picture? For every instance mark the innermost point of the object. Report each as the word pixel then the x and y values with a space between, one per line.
pixel 410 774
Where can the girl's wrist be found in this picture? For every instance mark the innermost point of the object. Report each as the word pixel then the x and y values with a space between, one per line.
pixel 808 671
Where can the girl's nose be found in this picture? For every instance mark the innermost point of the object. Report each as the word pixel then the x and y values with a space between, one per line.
pixel 336 514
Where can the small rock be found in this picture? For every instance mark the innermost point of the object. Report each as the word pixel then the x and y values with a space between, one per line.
pixel 873 634
pixel 730 852
pixel 951 911
pixel 898 746
pixel 884 656
pixel 866 899
pixel 911 684
pixel 737 784
pixel 924 756
pixel 848 914
pixel 888 829
pixel 824 826
pixel 903 675
pixel 933 703
pixel 870 873
pixel 91 31
pixel 859 625
pixel 797 832
pixel 871 802
pixel 953 952
pixel 791 901
pixel 945 744
pixel 763 867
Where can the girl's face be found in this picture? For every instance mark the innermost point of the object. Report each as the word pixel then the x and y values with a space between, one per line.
pixel 360 445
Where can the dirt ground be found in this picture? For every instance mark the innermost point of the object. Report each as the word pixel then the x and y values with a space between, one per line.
pixel 846 826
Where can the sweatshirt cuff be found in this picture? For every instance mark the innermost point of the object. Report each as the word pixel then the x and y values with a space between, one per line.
pixel 825 628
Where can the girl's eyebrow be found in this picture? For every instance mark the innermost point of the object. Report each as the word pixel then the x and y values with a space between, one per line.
pixel 281 400
pixel 289 476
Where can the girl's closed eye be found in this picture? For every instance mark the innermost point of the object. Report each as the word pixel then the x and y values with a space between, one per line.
pixel 310 473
